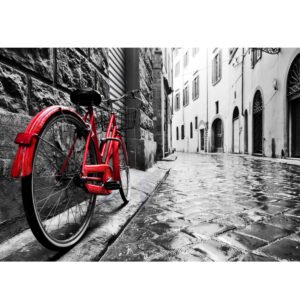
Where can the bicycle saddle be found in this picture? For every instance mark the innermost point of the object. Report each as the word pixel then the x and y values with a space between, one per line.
pixel 86 97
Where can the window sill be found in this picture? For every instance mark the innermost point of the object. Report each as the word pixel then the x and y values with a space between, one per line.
pixel 216 82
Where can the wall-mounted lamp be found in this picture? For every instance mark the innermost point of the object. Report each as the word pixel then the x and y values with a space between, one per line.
pixel 275 84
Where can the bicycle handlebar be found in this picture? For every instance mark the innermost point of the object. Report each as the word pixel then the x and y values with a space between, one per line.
pixel 128 94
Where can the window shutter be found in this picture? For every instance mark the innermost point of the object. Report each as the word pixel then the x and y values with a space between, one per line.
pixel 116 71
pixel 193 89
pixel 220 64
pixel 213 71
pixel 187 96
pixel 259 54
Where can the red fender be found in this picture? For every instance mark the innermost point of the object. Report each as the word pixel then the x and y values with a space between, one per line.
pixel 22 165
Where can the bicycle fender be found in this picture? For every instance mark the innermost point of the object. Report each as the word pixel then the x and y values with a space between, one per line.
pixel 22 165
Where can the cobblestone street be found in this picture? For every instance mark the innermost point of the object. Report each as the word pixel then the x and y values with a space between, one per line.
pixel 217 207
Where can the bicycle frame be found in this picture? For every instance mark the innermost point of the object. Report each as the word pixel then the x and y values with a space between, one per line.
pixel 108 148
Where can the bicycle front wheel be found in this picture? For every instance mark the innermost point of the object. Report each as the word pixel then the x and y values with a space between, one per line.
pixel 57 206
pixel 125 187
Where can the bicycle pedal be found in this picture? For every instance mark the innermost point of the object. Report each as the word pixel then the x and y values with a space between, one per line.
pixel 112 185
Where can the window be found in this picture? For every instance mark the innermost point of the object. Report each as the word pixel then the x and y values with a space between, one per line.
pixel 177 133
pixel 195 51
pixel 196 122
pixel 195 88
pixel 191 130
pixel 177 101
pixel 232 52
pixel 217 107
pixel 256 55
pixel 217 68
pixel 182 132
pixel 186 59
pixel 177 69
pixel 186 96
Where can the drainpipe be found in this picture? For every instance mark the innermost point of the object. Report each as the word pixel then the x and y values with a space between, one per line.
pixel 206 125
pixel 243 81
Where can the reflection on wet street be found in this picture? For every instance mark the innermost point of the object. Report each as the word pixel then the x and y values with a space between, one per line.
pixel 217 208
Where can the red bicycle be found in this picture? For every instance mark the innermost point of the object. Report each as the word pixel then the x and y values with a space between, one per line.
pixel 63 168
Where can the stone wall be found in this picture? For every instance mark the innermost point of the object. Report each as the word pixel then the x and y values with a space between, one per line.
pixel 158 103
pixel 140 140
pixel 31 79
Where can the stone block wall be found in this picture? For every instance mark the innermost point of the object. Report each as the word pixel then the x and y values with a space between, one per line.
pixel 30 80
pixel 158 103
pixel 141 145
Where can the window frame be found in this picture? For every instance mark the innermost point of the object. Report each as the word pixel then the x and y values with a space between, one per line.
pixel 177 69
pixel 232 52
pixel 186 59
pixel 256 56
pixel 196 87
pixel 217 68
pixel 195 51
pixel 177 102
pixel 185 95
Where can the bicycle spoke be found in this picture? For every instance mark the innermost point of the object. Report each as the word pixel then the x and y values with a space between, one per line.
pixel 56 203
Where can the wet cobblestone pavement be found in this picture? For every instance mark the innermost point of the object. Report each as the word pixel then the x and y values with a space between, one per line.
pixel 217 208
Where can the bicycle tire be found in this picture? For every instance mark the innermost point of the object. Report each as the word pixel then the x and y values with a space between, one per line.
pixel 125 186
pixel 67 236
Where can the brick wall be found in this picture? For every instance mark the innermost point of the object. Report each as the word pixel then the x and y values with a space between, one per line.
pixel 31 79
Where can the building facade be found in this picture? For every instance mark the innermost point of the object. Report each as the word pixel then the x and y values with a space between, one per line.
pixel 189 123
pixel 162 73
pixel 252 101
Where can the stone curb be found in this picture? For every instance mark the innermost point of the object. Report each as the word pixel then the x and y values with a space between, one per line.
pixel 110 218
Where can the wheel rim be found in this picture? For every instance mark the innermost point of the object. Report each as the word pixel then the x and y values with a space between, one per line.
pixel 62 206
pixel 124 174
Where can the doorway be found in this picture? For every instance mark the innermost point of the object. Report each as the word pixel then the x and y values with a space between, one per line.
pixel 258 124
pixel 217 136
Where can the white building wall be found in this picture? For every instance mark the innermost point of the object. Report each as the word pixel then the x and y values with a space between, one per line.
pixel 237 88
pixel 218 92
pixel 262 77
pixel 196 108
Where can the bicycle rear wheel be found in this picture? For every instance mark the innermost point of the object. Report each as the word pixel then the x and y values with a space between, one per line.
pixel 57 206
